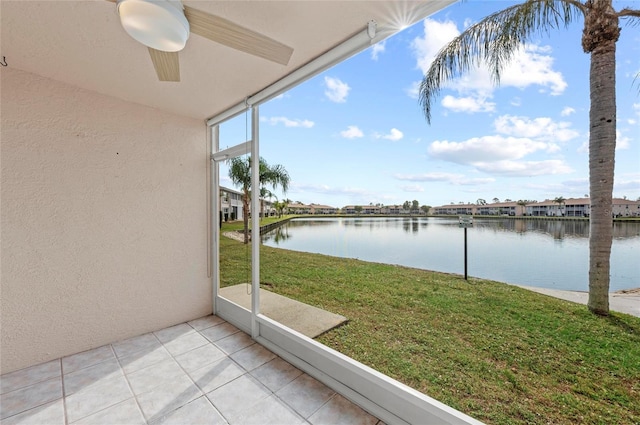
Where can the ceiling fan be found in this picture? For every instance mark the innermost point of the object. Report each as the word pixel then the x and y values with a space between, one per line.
pixel 164 26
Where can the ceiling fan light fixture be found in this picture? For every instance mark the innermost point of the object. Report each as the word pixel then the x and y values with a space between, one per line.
pixel 159 24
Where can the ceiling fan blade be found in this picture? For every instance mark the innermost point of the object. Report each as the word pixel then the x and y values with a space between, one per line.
pixel 166 64
pixel 237 37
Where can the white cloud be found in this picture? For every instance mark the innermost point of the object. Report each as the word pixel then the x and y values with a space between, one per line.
pixel 531 65
pixel 467 104
pixel 475 181
pixel 622 142
pixel 376 49
pixel 436 35
pixel 288 122
pixel 336 91
pixel 584 147
pixel 457 179
pixel 541 128
pixel 413 90
pixel 572 188
pixel 394 135
pixel 505 152
pixel 352 132
pixel 524 168
pixel 429 177
pixel 627 185
pixel 412 188
pixel 326 189
pixel 567 111
pixel 485 149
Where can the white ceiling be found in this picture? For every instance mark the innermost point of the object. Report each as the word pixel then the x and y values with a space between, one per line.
pixel 82 43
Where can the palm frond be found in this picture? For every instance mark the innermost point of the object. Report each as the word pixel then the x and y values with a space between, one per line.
pixel 630 13
pixel 493 41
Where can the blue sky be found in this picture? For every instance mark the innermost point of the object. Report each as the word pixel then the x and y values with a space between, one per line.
pixel 355 134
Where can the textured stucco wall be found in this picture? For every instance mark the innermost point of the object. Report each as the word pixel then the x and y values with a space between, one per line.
pixel 103 220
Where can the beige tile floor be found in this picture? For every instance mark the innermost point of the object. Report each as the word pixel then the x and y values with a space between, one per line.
pixel 202 372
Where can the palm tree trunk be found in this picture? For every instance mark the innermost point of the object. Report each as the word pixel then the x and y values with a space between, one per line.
pixel 602 144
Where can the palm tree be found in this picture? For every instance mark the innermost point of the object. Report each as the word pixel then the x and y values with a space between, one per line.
pixel 523 204
pixel 280 207
pixel 559 200
pixel 494 41
pixel 264 194
pixel 240 175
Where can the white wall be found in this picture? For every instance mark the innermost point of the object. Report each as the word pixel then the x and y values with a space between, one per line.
pixel 103 220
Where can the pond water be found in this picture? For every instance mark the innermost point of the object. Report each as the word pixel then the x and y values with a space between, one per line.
pixel 544 253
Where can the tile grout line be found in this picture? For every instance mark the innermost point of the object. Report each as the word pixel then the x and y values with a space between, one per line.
pixel 173 357
pixel 292 408
pixel 204 394
pixel 64 394
pixel 107 407
pixel 37 405
pixel 135 398
pixel 246 372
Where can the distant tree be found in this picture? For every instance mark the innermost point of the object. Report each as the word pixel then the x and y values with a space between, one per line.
pixel 240 175
pixel 522 203
pixel 406 206
pixel 265 194
pixel 425 209
pixel 559 200
pixel 415 205
pixel 280 207
pixel 481 201
pixel 496 200
pixel 508 200
pixel 358 209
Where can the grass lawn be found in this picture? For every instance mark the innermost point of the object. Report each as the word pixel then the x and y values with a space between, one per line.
pixel 493 351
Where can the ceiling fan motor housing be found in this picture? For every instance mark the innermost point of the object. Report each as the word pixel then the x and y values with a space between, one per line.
pixel 159 24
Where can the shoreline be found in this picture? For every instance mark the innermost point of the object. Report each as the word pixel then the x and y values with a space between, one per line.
pixel 623 301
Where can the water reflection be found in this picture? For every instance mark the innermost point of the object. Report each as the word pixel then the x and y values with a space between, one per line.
pixel 548 253
pixel 277 235
pixel 561 229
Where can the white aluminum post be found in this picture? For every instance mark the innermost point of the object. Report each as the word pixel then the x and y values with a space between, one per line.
pixel 215 216
pixel 255 223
